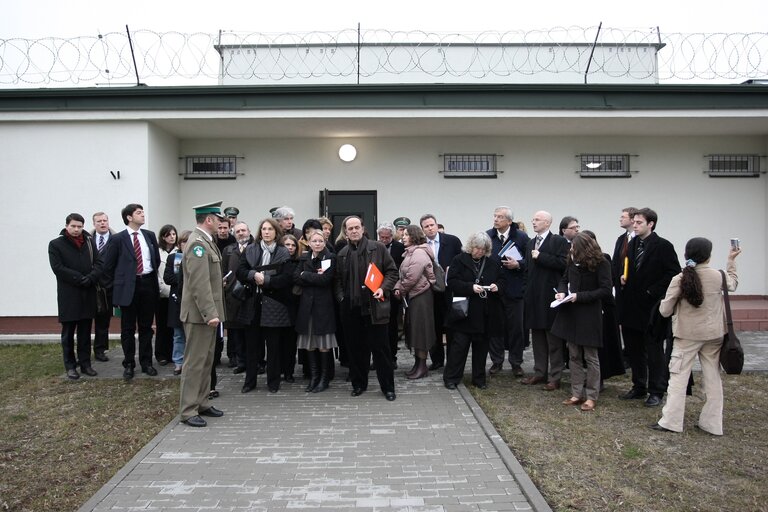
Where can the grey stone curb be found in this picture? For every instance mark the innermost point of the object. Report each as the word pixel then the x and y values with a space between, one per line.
pixel 536 500
pixel 107 488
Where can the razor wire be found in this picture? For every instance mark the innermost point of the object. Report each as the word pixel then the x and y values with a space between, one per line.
pixel 200 58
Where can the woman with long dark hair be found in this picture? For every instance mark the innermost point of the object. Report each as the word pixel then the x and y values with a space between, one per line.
pixel 163 332
pixel 579 320
pixel 695 301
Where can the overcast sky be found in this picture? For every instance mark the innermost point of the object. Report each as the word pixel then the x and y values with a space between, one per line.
pixel 45 18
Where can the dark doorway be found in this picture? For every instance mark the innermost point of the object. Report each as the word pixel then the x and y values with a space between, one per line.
pixel 339 204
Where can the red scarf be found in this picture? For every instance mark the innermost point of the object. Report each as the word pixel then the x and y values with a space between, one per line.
pixel 79 241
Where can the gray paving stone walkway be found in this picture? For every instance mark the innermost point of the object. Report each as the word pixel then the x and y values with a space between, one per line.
pixel 430 450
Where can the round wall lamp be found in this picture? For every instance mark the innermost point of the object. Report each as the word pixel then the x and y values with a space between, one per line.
pixel 347 152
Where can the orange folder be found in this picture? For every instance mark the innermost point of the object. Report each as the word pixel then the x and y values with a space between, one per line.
pixel 373 277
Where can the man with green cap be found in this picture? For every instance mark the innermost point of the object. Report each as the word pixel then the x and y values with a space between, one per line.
pixel 202 312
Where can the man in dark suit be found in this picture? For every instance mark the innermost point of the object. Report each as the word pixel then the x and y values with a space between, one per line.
pixel 445 247
pixel 132 258
pixel 386 235
pixel 505 234
pixel 652 264
pixel 619 254
pixel 546 255
pixel 101 234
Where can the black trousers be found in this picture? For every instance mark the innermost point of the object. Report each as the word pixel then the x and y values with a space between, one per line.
pixel 457 357
pixel 647 360
pixel 364 339
pixel 513 339
pixel 83 330
pixel 440 309
pixel 288 350
pixel 101 327
pixel 163 333
pixel 236 343
pixel 141 312
pixel 393 329
pixel 254 353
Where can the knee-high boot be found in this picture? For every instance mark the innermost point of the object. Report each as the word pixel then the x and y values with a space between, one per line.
pixel 326 366
pixel 314 370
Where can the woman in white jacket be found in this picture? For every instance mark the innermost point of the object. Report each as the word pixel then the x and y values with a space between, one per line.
pixel 695 301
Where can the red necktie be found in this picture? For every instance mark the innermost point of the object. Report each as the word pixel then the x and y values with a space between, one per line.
pixel 139 259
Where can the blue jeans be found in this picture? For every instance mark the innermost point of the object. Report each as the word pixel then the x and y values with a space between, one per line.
pixel 179 340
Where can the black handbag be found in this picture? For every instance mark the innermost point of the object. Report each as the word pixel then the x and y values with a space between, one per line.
pixel 459 309
pixel 731 353
pixel 241 292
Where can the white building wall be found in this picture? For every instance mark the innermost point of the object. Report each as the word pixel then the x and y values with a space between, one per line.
pixel 539 173
pixel 47 171
pixel 163 167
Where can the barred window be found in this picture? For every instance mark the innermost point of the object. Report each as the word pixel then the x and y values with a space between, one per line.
pixel 604 166
pixel 211 167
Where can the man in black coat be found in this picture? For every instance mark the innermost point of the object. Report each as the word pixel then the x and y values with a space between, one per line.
pixel 132 258
pixel 653 263
pixel 445 247
pixel 75 262
pixel 546 255
pixel 505 234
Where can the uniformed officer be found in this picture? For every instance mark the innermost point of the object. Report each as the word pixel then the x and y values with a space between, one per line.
pixel 202 312
pixel 400 224
pixel 232 212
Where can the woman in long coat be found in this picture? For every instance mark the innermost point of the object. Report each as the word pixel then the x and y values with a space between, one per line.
pixel 579 320
pixel 267 311
pixel 315 321
pixel 473 275
pixel 414 288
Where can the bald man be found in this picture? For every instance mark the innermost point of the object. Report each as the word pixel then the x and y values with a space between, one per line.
pixel 546 255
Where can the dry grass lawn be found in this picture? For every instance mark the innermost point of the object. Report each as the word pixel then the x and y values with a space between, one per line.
pixel 610 460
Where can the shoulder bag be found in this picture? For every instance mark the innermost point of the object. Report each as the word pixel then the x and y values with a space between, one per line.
pixel 731 353
pixel 439 284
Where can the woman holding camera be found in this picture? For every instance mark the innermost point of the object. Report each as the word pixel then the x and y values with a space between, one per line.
pixel 695 301
pixel 474 277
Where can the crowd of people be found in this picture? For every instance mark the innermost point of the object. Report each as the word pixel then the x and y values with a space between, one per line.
pixel 285 296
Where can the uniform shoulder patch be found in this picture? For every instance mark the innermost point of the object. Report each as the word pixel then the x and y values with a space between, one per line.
pixel 198 251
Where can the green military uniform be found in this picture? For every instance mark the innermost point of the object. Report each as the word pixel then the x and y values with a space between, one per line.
pixel 201 301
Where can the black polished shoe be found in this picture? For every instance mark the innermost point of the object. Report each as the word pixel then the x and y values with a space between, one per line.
pixel 274 390
pixel 149 370
pixel 89 371
pixel 212 412
pixel 495 368
pixel 450 385
pixel 435 366
pixel 654 400
pixel 481 385
pixel 162 362
pixel 128 374
pixel 239 369
pixel 72 374
pixel 101 356
pixel 390 396
pixel 177 371
pixel 262 370
pixel 659 428
pixel 247 389
pixel 357 391
pixel 633 394
pixel 289 378
pixel 195 421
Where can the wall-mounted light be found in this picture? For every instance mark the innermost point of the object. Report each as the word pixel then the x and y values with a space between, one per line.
pixel 347 152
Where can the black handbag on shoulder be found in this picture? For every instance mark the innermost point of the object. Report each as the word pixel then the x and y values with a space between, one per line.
pixel 731 353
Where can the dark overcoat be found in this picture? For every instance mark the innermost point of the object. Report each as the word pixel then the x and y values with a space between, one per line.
pixel 276 288
pixel 174 278
pixel 70 265
pixel 485 316
pixel 581 322
pixel 316 302
pixel 542 277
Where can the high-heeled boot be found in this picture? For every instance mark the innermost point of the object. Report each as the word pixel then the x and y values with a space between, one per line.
pixel 421 370
pixel 413 368
pixel 326 365
pixel 314 370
